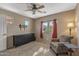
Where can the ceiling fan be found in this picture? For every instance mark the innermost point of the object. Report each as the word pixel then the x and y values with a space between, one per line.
pixel 35 8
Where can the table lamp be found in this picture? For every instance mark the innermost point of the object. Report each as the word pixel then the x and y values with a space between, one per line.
pixel 70 27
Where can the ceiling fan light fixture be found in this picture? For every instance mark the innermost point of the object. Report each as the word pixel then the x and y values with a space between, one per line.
pixel 35 7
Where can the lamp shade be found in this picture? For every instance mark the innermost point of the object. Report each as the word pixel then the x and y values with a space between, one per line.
pixel 70 25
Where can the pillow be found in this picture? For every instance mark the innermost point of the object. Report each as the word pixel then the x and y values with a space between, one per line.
pixel 65 38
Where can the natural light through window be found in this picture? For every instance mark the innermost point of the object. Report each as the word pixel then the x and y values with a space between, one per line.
pixel 26 23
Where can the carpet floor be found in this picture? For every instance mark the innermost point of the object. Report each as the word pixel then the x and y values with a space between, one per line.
pixel 30 49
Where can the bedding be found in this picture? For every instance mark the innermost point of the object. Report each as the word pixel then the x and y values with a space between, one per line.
pixel 58 47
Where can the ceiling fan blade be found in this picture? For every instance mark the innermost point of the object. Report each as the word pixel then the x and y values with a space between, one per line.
pixel 28 7
pixel 42 6
pixel 32 3
pixel 38 4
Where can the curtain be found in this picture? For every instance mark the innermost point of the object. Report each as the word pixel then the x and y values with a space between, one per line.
pixel 54 34
pixel 41 34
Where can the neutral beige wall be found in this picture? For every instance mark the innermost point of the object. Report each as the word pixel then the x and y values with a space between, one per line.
pixel 13 29
pixel 63 19
pixel 77 22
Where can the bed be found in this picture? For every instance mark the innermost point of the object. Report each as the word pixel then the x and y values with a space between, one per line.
pixel 58 47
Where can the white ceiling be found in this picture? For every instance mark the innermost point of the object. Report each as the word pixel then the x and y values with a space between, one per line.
pixel 50 8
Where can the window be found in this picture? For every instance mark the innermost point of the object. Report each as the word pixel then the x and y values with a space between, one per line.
pixel 51 27
pixel 26 23
pixel 45 25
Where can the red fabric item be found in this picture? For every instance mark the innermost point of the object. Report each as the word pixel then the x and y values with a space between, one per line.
pixel 54 34
pixel 41 34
